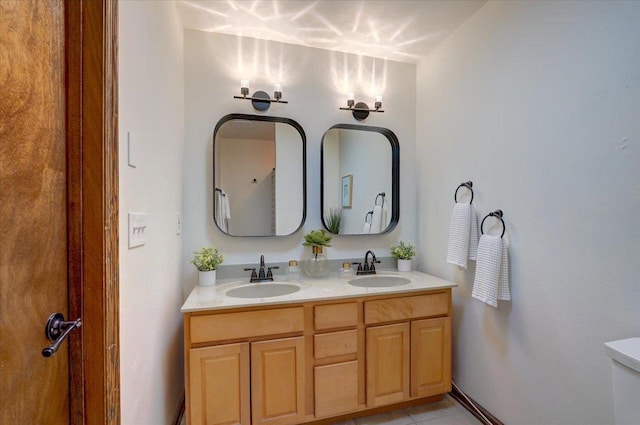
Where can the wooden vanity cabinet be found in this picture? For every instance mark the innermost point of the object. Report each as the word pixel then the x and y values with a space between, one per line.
pixel 277 381
pixel 297 363
pixel 260 380
pixel 387 364
pixel 411 359
pixel 219 385
pixel 338 366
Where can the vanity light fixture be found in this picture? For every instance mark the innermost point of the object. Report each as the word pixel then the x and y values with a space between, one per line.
pixel 260 100
pixel 361 110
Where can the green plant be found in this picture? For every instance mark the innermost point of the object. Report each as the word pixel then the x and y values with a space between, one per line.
pixel 333 220
pixel 403 251
pixel 317 238
pixel 207 259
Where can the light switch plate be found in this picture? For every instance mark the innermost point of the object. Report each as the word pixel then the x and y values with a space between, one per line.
pixel 131 150
pixel 137 229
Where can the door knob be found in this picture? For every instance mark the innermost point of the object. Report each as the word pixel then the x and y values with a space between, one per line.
pixel 57 330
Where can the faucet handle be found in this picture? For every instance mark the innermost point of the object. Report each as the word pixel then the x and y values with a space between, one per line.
pixel 254 275
pixel 269 273
pixel 359 265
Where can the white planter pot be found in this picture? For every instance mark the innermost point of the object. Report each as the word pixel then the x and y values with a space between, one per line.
pixel 404 265
pixel 207 278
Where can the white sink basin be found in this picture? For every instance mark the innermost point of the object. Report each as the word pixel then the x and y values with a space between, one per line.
pixel 263 290
pixel 379 281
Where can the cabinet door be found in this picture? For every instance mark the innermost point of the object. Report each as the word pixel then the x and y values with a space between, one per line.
pixel 278 381
pixel 387 364
pixel 336 388
pixel 219 385
pixel 430 357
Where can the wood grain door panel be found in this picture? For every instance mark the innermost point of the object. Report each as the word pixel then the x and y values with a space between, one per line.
pixel 430 357
pixel 387 351
pixel 278 381
pixel 219 385
pixel 33 219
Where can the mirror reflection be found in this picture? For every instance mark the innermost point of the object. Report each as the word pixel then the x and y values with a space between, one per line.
pixel 259 175
pixel 360 180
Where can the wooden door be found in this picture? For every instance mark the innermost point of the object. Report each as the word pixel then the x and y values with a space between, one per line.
pixel 58 210
pixel 219 385
pixel 335 388
pixel 387 350
pixel 33 219
pixel 278 381
pixel 430 357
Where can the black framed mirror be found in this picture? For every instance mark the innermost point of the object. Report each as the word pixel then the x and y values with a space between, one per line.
pixel 360 180
pixel 259 175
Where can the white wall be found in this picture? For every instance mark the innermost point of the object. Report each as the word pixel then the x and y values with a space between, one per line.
pixel 367 157
pixel 151 107
pixel 251 204
pixel 315 82
pixel 289 171
pixel 538 103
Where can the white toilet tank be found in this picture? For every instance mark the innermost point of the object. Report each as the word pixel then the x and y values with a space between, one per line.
pixel 626 379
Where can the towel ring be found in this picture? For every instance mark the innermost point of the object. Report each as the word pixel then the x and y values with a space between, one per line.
pixel 497 214
pixel 469 186
pixel 379 195
pixel 367 215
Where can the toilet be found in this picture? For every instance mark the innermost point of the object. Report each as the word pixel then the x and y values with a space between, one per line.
pixel 625 355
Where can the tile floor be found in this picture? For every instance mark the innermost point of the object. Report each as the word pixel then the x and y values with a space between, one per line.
pixel 445 412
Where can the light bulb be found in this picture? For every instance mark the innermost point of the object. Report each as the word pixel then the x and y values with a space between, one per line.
pixel 277 91
pixel 350 99
pixel 378 102
pixel 244 87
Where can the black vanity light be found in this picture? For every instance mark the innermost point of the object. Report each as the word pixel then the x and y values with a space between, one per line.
pixel 361 110
pixel 260 100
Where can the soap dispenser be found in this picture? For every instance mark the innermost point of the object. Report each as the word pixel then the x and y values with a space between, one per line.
pixel 346 272
pixel 293 271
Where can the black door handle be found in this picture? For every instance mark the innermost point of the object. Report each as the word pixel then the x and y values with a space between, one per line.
pixel 57 330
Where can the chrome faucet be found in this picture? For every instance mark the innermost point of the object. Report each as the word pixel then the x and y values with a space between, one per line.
pixel 261 276
pixel 369 267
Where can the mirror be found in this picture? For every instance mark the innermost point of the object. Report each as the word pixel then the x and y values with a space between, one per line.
pixel 259 175
pixel 360 175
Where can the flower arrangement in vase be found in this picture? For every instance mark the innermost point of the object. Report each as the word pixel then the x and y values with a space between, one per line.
pixel 317 265
pixel 207 261
pixel 404 253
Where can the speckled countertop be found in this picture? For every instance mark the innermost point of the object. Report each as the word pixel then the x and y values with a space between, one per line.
pixel 330 288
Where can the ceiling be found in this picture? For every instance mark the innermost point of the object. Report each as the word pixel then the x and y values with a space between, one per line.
pixel 399 30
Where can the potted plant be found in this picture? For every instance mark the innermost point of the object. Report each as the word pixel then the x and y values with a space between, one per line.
pixel 317 265
pixel 207 261
pixel 403 252
pixel 333 219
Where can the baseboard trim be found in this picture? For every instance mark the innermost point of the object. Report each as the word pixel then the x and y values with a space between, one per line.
pixel 473 407
pixel 180 411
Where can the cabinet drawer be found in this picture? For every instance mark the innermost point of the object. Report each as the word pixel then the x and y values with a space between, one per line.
pixel 335 316
pixel 335 344
pixel 225 326
pixel 405 308
pixel 336 388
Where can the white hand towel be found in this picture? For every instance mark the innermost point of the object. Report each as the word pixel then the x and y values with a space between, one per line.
pixel 227 209
pixel 491 282
pixel 376 219
pixel 219 212
pixel 367 228
pixel 463 235
pixel 473 236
